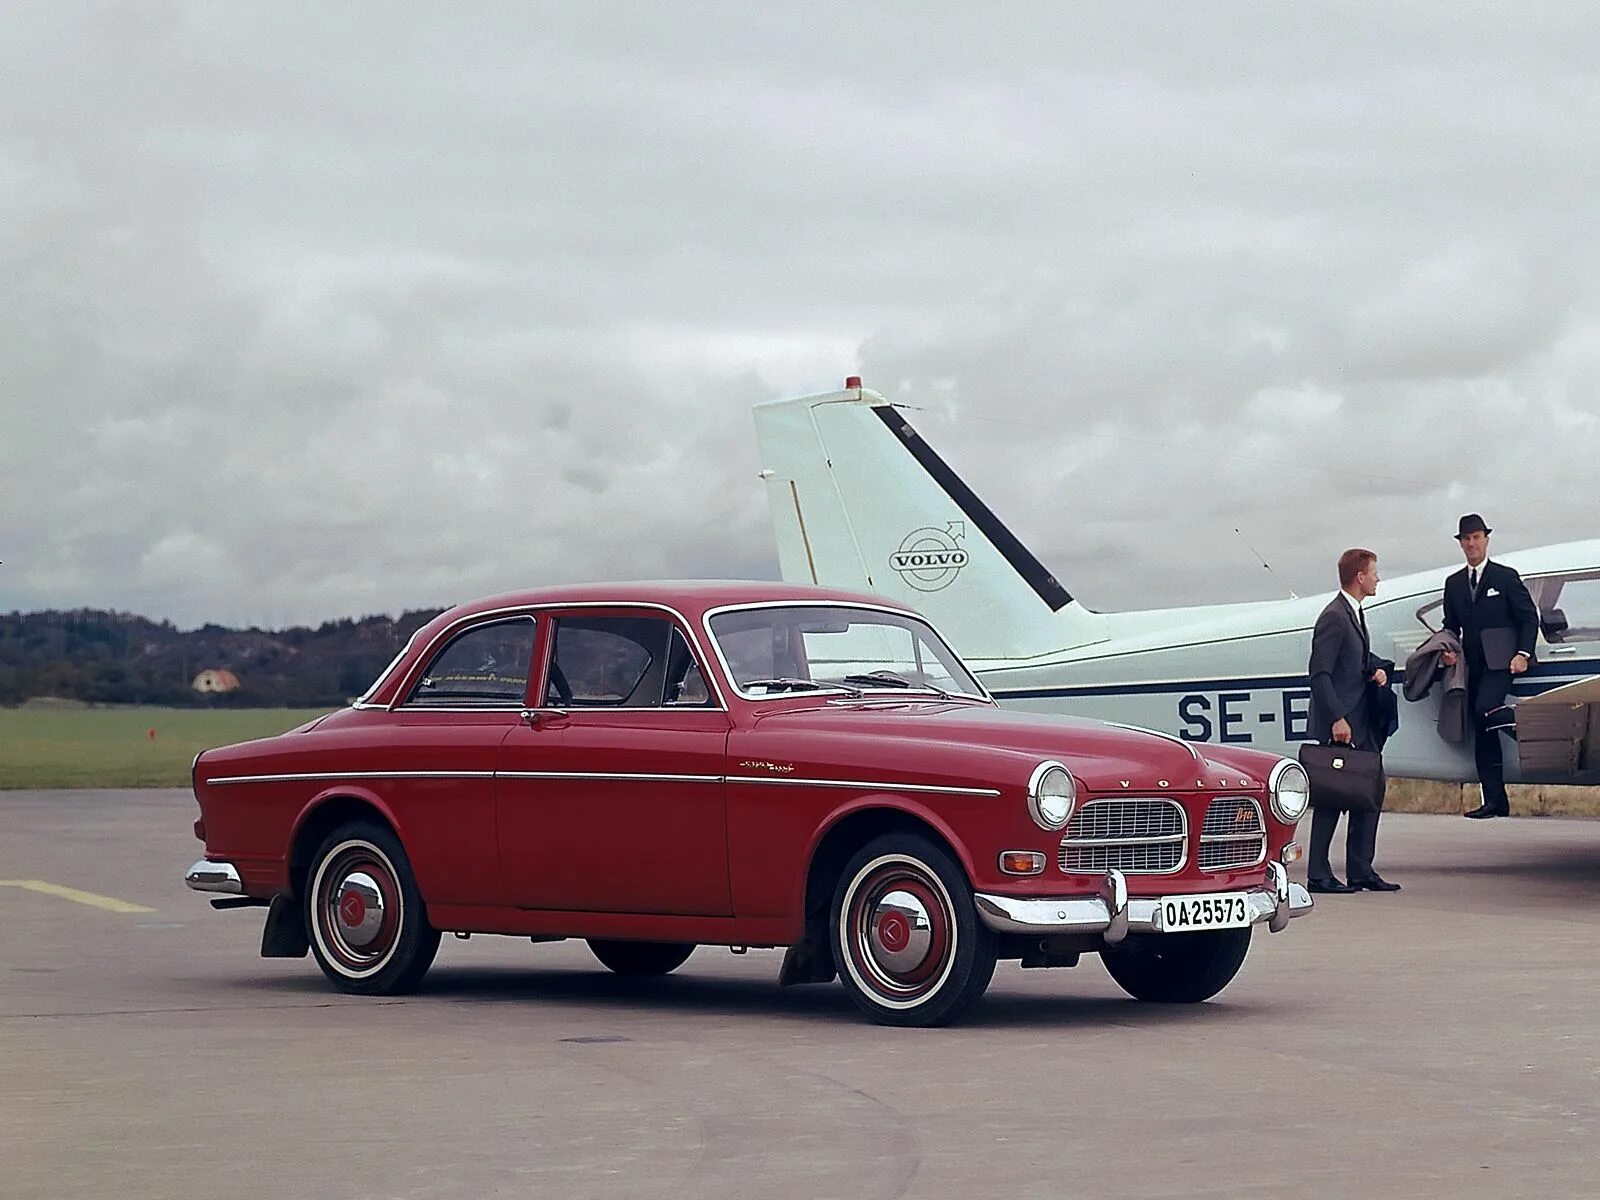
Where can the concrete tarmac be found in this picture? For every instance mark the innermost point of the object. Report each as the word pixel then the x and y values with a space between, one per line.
pixel 1441 1041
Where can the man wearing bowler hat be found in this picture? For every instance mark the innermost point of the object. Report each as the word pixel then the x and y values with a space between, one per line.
pixel 1487 606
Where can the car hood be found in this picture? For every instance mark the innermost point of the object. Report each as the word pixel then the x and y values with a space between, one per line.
pixel 1103 757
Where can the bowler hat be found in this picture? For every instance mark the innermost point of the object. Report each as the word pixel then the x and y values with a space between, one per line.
pixel 1471 523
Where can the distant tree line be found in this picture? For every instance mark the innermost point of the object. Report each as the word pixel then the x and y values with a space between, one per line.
pixel 118 658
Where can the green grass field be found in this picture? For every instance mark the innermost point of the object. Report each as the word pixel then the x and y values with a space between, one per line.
pixel 48 747
pixel 84 747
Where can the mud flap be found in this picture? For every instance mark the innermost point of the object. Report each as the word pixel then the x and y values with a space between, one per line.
pixel 284 934
pixel 809 961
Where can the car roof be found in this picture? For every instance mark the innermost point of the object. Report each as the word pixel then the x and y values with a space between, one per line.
pixel 691 597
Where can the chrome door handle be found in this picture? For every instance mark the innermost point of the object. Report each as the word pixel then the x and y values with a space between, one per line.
pixel 1563 650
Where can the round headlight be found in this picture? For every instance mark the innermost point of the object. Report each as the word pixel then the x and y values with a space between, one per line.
pixel 1051 794
pixel 1291 791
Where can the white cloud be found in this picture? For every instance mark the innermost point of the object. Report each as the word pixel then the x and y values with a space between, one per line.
pixel 305 313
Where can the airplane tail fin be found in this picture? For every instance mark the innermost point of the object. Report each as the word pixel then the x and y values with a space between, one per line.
pixel 859 500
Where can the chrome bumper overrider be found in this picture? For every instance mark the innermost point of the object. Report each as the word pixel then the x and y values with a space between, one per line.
pixel 215 877
pixel 1114 916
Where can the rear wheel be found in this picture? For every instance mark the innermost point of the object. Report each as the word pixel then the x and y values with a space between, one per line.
pixel 905 933
pixel 641 958
pixel 364 915
pixel 1177 968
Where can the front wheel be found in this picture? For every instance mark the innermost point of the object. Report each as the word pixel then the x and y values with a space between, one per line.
pixel 1177 968
pixel 364 914
pixel 641 958
pixel 905 933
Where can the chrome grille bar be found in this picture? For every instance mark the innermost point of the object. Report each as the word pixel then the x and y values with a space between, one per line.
pixel 1139 835
pixel 1234 834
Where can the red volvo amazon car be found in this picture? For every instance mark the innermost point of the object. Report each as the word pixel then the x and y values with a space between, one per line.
pixel 653 767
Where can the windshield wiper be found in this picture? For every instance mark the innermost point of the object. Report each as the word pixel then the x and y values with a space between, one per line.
pixel 890 679
pixel 787 683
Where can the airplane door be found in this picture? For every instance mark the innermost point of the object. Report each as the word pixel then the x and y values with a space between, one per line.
pixel 1558 709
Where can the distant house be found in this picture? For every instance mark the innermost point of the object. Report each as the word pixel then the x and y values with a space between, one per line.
pixel 215 680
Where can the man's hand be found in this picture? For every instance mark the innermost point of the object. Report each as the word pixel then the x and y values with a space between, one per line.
pixel 1519 663
pixel 1448 658
pixel 1380 677
pixel 1341 731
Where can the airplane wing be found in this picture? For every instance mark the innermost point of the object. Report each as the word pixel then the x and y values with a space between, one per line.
pixel 1558 733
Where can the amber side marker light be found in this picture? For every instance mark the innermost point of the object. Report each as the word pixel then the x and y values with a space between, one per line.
pixel 1292 853
pixel 1021 862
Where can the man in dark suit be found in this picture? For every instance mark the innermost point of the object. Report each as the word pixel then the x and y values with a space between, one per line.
pixel 1343 670
pixel 1487 606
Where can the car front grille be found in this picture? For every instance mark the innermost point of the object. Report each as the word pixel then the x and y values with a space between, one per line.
pixel 1233 835
pixel 1138 835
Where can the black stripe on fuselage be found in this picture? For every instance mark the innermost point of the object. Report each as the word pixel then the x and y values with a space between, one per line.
pixel 1019 556
pixel 1536 683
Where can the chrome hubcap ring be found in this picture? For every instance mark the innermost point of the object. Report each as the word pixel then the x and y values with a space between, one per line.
pixel 898 932
pixel 359 909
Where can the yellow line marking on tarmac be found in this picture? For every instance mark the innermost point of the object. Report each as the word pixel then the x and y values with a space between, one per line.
pixel 93 901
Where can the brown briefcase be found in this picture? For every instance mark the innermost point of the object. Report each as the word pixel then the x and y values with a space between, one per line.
pixel 1343 777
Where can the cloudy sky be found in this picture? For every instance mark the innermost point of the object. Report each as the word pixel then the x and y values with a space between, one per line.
pixel 308 315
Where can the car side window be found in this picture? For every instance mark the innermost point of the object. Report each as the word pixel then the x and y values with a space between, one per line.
pixel 611 662
pixel 686 685
pixel 485 666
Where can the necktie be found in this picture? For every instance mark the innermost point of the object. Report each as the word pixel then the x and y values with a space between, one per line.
pixel 1472 582
pixel 1361 616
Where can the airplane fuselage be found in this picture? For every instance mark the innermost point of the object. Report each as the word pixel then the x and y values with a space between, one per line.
pixel 859 499
pixel 1236 674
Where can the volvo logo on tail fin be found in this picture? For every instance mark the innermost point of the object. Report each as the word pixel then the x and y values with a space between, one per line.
pixel 929 559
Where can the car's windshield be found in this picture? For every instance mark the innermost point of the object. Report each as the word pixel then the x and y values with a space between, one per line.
pixel 785 649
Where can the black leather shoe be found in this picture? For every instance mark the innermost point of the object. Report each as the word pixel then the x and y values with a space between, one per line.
pixel 1483 812
pixel 1329 887
pixel 1375 883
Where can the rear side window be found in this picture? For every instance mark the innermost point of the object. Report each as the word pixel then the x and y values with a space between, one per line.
pixel 483 667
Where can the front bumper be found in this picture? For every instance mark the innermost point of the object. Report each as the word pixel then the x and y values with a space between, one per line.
pixel 1113 915
pixel 207 876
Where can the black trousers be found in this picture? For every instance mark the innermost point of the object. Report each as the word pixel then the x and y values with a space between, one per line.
pixel 1486 690
pixel 1360 843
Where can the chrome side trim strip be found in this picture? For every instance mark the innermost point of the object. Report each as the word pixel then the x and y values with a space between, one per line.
pixel 879 785
pixel 626 776
pixel 640 777
pixel 308 776
pixel 411 710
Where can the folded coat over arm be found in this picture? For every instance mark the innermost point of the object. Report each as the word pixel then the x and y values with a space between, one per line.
pixel 1425 666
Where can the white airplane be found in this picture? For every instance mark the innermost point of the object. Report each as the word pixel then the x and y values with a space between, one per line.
pixel 859 500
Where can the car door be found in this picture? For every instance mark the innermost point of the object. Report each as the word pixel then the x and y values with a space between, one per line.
pixel 610 797
pixel 434 764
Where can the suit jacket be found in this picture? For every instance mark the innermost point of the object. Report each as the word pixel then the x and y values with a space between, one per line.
pixel 1341 661
pixel 1499 622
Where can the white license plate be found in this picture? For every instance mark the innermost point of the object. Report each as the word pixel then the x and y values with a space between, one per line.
pixel 1218 910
